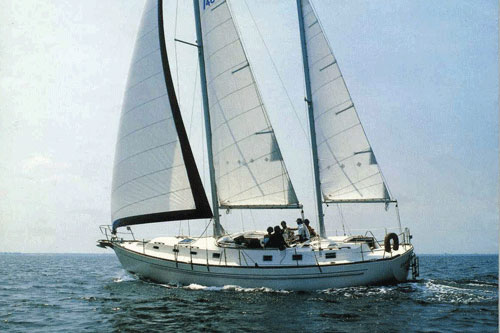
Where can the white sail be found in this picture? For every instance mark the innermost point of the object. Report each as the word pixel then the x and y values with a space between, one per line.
pixel 348 168
pixel 248 164
pixel 154 178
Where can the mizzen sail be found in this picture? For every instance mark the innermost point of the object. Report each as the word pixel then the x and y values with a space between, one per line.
pixel 347 165
pixel 249 168
pixel 155 177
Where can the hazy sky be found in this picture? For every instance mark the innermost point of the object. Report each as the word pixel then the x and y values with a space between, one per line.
pixel 423 75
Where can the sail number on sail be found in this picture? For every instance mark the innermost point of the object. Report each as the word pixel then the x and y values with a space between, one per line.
pixel 207 3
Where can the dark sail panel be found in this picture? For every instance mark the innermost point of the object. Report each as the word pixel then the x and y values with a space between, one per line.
pixel 155 177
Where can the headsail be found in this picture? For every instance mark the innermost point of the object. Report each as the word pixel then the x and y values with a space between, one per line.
pixel 249 168
pixel 155 177
pixel 348 168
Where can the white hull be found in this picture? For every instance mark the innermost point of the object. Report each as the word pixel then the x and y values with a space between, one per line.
pixel 391 269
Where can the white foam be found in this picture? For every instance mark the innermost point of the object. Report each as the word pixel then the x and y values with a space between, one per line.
pixel 194 286
pixel 433 290
pixel 123 276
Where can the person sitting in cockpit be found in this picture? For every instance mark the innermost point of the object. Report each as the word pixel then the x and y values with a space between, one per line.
pixel 267 237
pixel 302 231
pixel 276 240
pixel 311 230
pixel 288 234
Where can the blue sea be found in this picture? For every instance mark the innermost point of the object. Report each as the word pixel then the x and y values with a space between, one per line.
pixel 92 293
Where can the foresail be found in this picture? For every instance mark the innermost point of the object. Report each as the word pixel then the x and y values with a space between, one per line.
pixel 155 177
pixel 348 168
pixel 249 168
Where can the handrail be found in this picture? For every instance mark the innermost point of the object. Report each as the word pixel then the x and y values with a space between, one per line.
pixel 107 231
pixel 371 233
pixel 368 228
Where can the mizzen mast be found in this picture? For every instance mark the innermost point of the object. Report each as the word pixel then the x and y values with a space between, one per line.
pixel 312 129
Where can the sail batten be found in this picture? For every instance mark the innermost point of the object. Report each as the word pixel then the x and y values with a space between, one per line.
pixel 249 168
pixel 348 169
pixel 155 177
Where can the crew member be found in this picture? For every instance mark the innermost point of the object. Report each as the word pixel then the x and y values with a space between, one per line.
pixel 302 231
pixel 312 232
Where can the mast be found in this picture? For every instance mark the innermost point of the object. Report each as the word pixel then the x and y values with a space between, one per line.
pixel 208 128
pixel 312 129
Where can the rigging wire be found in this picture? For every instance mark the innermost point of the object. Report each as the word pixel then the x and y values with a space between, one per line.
pixel 253 219
pixel 175 53
pixel 306 133
pixel 350 97
pixel 180 230
pixel 313 182
pixel 203 144
pixel 342 220
pixel 194 99
pixel 276 70
pixel 242 224
pixel 206 227
pixel 191 123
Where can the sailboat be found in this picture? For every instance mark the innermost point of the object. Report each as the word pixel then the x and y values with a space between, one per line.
pixel 156 178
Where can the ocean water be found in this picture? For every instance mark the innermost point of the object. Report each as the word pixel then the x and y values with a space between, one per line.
pixel 92 293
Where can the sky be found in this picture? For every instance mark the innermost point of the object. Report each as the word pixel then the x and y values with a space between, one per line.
pixel 423 76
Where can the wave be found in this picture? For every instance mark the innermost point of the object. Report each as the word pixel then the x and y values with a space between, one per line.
pixel 124 276
pixel 194 286
pixel 424 292
pixel 450 292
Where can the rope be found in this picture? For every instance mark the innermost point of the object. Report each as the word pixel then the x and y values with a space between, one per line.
pixel 206 227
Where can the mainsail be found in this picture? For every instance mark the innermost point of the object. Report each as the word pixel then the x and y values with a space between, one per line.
pixel 249 168
pixel 347 165
pixel 155 177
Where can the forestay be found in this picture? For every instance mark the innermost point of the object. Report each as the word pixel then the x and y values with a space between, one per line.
pixel 249 168
pixel 348 168
pixel 155 177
